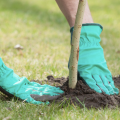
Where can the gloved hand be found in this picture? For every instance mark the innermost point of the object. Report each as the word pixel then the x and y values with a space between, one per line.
pixel 12 85
pixel 92 67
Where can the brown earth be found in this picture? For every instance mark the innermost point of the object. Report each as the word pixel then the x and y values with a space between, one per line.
pixel 82 95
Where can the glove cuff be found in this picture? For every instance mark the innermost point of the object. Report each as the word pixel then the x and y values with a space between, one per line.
pixel 4 70
pixel 90 33
pixel 88 24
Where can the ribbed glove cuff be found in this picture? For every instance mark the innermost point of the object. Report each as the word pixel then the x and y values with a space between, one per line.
pixel 90 34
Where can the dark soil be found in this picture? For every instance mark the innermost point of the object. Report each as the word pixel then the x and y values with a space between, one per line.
pixel 82 95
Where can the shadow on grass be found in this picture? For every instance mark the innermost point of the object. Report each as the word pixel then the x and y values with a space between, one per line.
pixel 39 15
pixel 5 97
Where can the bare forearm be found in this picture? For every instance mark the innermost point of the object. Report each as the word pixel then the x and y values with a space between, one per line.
pixel 69 9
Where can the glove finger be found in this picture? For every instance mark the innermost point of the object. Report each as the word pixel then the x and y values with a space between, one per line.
pixel 49 86
pixel 50 89
pixel 29 99
pixel 107 85
pixel 44 97
pixel 100 84
pixel 91 83
pixel 116 90
pixel 110 81
pixel 42 87
pixel 45 87
pixel 45 91
pixel 35 84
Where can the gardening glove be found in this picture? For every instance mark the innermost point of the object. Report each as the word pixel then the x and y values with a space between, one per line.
pixel 31 92
pixel 92 67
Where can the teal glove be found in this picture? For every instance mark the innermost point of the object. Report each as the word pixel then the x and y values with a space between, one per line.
pixel 12 85
pixel 92 67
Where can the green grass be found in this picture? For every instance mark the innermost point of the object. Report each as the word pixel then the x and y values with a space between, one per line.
pixel 42 30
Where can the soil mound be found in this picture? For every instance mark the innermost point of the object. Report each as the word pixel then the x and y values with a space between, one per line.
pixel 82 95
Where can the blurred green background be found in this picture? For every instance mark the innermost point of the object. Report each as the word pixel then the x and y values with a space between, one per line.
pixel 40 27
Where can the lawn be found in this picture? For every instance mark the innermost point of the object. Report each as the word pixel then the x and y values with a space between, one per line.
pixel 42 30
